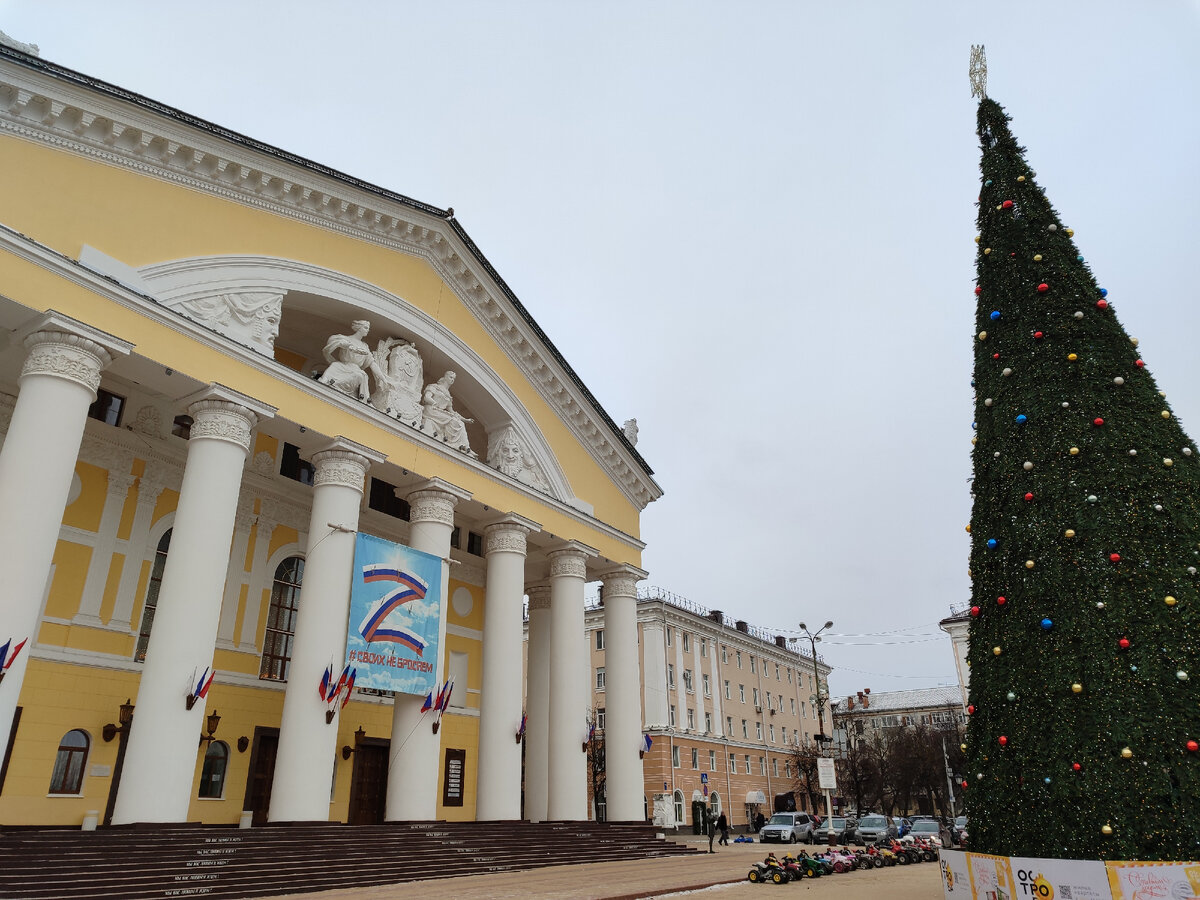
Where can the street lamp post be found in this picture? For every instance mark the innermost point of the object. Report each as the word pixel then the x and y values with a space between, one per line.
pixel 818 699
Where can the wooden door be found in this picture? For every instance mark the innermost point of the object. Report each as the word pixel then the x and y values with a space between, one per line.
pixel 262 773
pixel 368 782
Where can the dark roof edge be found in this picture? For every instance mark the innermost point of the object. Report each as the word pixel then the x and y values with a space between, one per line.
pixel 119 93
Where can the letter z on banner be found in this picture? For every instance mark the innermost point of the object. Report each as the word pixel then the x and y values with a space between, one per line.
pixel 395 610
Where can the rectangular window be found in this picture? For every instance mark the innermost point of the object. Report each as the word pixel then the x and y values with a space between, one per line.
pixel 789 676
pixel 739 658
pixel 707 722
pixel 771 732
pixel 752 665
pixel 777 678
pixel 675 757
pixel 599 678
pixel 775 766
pixel 732 763
pixel 784 733
pixel 687 681
pixel 691 717
pixel 768 699
pixel 687 643
pixel 182 427
pixel 745 730
pixel 474 543
pixel 712 760
pixel 762 765
pixel 671 675
pixel 747 758
pixel 107 408
pixel 707 687
pixel 742 692
pixel 695 757
pixel 725 655
pixel 758 730
pixel 600 719
pixel 383 498
pixel 671 721
pixel 600 639
pixel 729 725
pixel 293 467
pixel 757 698
pixel 703 648
pixel 669 630
pixel 727 697
pixel 793 702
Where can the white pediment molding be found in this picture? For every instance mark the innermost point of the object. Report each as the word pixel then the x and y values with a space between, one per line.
pixel 67 111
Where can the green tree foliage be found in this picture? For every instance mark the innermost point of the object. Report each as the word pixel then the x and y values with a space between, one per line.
pixel 1085 521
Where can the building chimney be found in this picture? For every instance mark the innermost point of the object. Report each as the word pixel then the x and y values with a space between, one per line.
pixel 781 641
pixel 741 626
pixel 717 616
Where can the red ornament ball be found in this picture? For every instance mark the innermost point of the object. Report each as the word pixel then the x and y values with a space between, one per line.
pixel 1028 497
pixel 1076 767
pixel 1114 557
pixel 978 290
pixel 975 611
pixel 1037 335
pixel 1043 287
pixel 1003 741
pixel 1102 304
pixel 1007 204
pixel 995 356
pixel 1000 601
pixel 1139 364
pixel 1123 643
pixel 964 784
pixel 1097 421
pixel 1193 746
pixel 971 710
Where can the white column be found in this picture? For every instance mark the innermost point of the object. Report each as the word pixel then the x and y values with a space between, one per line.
pixel 57 385
pixel 498 795
pixel 160 760
pixel 119 484
pixel 624 783
pixel 413 789
pixel 567 766
pixel 654 665
pixel 307 741
pixel 537 703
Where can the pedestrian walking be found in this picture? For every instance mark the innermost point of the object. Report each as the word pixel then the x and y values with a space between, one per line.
pixel 723 825
pixel 710 822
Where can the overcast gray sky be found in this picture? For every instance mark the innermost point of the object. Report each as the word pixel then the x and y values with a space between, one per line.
pixel 750 225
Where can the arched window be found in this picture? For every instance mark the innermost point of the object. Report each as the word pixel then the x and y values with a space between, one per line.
pixel 69 763
pixel 679 817
pixel 156 573
pixel 714 802
pixel 281 620
pixel 212 776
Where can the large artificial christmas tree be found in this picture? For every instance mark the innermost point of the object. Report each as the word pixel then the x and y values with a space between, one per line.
pixel 1084 712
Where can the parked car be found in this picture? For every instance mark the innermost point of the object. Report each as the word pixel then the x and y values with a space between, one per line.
pixel 843 832
pixel 957 829
pixel 931 830
pixel 788 828
pixel 903 826
pixel 875 828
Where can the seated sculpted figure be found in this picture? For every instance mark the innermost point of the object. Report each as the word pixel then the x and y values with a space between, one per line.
pixel 349 356
pixel 398 372
pixel 440 419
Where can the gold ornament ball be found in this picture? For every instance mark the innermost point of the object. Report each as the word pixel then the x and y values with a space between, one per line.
pixel 1170 601
pixel 1029 563
pixel 1133 341
pixel 1165 414
pixel 972 442
pixel 1021 178
pixel 987 251
pixel 1106 830
pixel 1074 451
pixel 1126 753
pixel 977 239
pixel 1000 207
pixel 996 651
pixel 1072 357
pixel 983 335
pixel 1168 462
pixel 1070 232
pixel 1077 688
pixel 1070 532
pixel 968 529
pixel 962 747
pixel 1037 257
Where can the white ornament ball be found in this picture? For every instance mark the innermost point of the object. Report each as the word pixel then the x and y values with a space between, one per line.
pixel 1191 570
pixel 996 454
pixel 979 776
pixel 1066 405
pixel 1079 313
pixel 1158 507
pixel 1100 605
pixel 1006 372
pixel 1052 227
pixel 1027 466
pixel 987 402
pixel 1012 696
pixel 1091 498
pixel 1181 675
pixel 1187 451
pixel 1133 453
pixel 1118 380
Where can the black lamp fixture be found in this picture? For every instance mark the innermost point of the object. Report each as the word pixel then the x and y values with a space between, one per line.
pixel 359 736
pixel 211 724
pixel 125 717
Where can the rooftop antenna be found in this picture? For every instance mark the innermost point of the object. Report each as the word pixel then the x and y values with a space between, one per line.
pixel 978 71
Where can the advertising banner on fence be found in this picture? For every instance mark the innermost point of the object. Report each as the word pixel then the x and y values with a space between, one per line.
pixel 979 876
pixel 395 609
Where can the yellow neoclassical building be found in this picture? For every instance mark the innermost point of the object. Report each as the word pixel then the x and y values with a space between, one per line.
pixel 219 362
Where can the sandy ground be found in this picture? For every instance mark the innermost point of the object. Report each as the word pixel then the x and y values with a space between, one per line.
pixel 719 876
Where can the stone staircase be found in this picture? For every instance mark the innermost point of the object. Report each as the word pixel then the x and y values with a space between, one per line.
pixel 136 862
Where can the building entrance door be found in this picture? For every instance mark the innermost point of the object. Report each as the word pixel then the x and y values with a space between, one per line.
pixel 262 773
pixel 368 782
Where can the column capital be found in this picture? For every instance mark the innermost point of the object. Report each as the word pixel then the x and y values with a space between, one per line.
pixel 539 595
pixel 434 501
pixel 622 581
pixel 571 559
pixel 64 348
pixel 220 413
pixel 344 463
pixel 508 534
